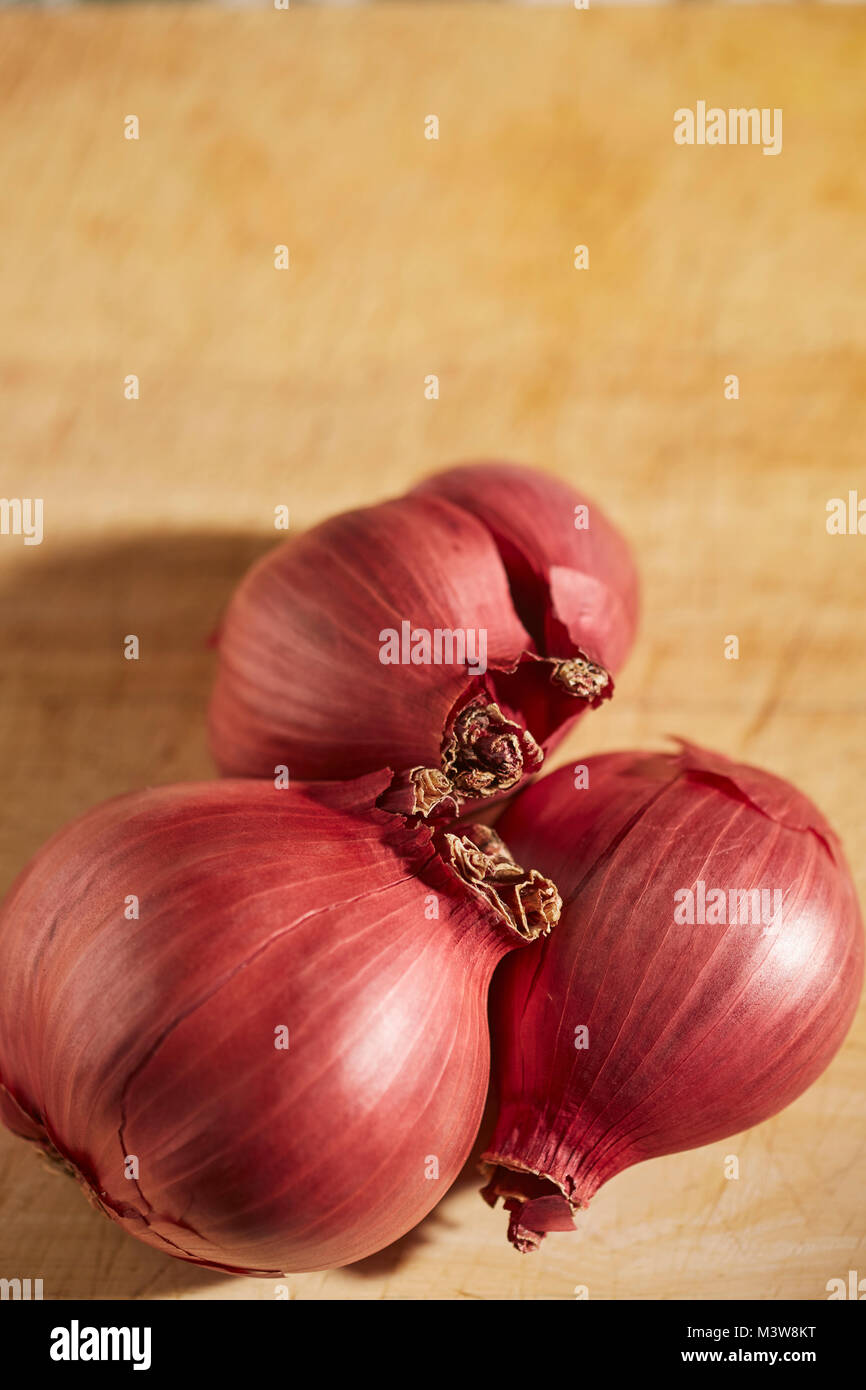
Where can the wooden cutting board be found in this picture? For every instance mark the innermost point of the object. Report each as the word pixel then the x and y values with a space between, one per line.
pixel 411 258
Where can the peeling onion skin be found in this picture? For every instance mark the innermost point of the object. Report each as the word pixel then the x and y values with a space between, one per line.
pixel 695 1032
pixel 259 908
pixel 575 588
pixel 300 681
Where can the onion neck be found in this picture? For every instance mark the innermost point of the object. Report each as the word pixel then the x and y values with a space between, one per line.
pixel 543 1173
pixel 579 676
pixel 527 902
pixel 486 753
pixel 430 788
pixel 535 1204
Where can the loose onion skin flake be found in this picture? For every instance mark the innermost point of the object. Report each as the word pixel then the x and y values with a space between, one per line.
pixel 454 634
pixel 705 970
pixel 252 1021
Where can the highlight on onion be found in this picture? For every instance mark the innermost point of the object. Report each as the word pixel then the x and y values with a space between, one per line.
pixel 454 634
pixel 252 1021
pixel 571 574
pixel 706 968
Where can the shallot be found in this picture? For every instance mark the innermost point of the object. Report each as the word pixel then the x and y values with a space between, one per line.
pixel 706 969
pixel 250 1019
pixel 453 634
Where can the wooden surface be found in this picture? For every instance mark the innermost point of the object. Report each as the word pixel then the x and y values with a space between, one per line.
pixel 306 387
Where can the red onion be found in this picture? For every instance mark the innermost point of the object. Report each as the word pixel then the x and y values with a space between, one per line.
pixel 251 1021
pixel 453 634
pixel 703 1013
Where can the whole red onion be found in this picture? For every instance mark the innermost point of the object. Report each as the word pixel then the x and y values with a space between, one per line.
pixel 252 1021
pixel 663 1013
pixel 490 557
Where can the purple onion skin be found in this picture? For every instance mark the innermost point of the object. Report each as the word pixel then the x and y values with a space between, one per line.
pixel 491 549
pixel 695 1031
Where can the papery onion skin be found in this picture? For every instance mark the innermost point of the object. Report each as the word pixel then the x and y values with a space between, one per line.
pixel 300 681
pixel 695 1032
pixel 575 585
pixel 259 908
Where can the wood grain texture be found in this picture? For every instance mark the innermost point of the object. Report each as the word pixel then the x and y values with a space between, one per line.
pixel 411 257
